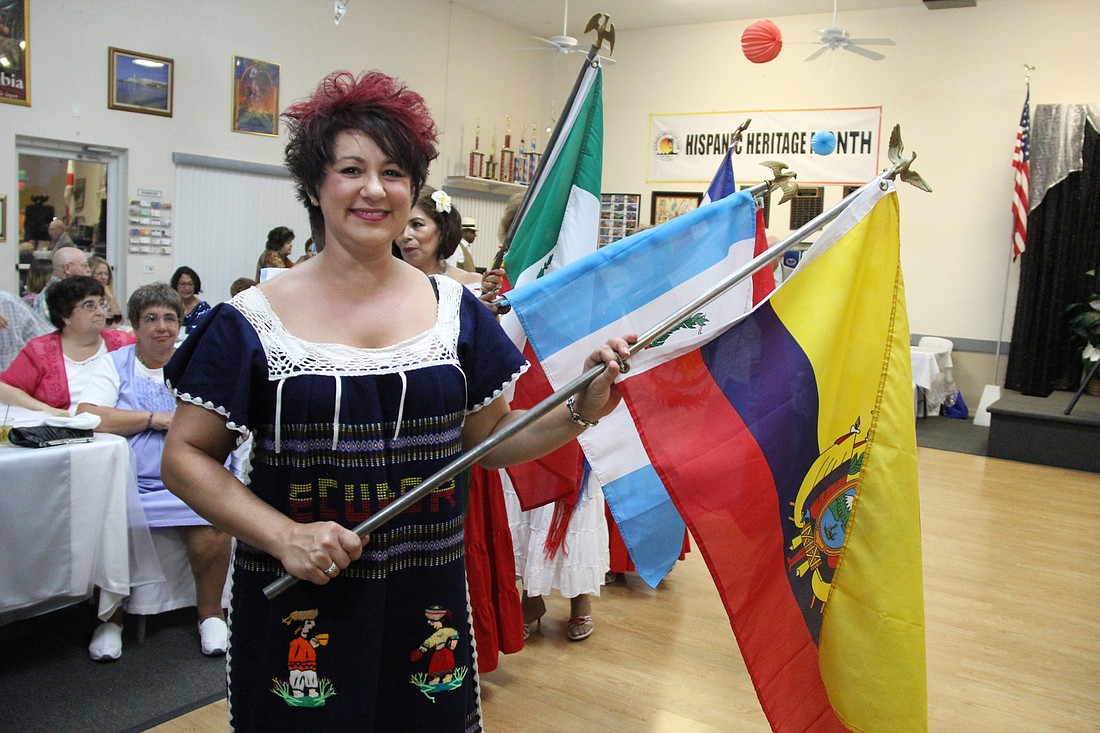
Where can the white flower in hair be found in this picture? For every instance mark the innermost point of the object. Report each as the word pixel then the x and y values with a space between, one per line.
pixel 442 201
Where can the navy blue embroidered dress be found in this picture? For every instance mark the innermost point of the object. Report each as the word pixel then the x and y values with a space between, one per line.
pixel 339 432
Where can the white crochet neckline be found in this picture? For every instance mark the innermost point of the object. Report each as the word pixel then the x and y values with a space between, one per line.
pixel 289 355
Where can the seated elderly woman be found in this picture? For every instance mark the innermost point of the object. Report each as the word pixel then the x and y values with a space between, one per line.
pixel 127 391
pixel 50 372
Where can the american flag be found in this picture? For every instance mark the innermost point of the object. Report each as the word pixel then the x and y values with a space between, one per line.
pixel 1020 164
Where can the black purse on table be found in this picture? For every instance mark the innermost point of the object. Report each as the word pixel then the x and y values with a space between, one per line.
pixel 43 436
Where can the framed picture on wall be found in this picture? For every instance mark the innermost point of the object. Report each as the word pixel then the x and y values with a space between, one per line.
pixel 15 52
pixel 667 205
pixel 255 96
pixel 139 82
pixel 3 217
pixel 618 216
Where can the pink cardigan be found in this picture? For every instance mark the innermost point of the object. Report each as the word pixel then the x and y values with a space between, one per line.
pixel 39 369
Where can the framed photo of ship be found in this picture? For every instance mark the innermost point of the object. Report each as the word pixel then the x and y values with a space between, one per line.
pixel 139 82
pixel 255 96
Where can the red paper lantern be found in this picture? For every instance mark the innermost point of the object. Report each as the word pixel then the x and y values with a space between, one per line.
pixel 762 41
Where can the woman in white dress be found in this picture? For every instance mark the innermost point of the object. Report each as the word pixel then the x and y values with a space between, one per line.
pixel 127 391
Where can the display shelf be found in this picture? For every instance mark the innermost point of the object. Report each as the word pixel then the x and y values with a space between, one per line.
pixel 483 185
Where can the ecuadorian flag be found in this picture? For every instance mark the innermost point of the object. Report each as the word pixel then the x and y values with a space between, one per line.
pixel 791 454
pixel 785 440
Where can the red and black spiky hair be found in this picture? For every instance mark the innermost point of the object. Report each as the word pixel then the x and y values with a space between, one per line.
pixel 395 117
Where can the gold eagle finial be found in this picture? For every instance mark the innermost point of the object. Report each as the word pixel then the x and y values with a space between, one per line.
pixel 783 178
pixel 605 31
pixel 895 152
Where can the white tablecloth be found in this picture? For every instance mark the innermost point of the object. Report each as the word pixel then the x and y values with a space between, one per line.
pixel 68 524
pixel 932 373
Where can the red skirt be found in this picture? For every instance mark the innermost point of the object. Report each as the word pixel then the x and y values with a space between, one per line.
pixel 491 571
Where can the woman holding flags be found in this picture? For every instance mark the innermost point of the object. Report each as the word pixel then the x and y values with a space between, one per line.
pixel 386 378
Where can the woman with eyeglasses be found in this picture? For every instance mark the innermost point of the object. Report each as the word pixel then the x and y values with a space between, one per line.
pixel 50 373
pixel 186 282
pixel 127 391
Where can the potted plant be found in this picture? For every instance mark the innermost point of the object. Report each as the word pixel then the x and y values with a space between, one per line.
pixel 1084 324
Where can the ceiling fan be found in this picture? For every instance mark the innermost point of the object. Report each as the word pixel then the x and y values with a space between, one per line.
pixel 834 37
pixel 565 43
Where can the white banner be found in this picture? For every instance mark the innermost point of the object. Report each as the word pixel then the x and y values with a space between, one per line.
pixel 687 148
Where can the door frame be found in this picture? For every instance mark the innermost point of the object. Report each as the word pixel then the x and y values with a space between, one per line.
pixel 116 161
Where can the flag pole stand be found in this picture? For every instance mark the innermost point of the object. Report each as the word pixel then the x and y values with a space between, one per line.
pixel 992 392
pixel 479 451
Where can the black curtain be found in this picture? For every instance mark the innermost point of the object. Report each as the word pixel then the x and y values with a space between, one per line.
pixel 1063 243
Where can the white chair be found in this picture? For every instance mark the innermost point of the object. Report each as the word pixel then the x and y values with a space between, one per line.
pixel 177 590
pixel 943 388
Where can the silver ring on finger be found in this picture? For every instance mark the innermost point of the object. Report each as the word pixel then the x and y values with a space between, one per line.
pixel 330 569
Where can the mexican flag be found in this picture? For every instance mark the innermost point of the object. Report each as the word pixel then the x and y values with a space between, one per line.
pixel 557 223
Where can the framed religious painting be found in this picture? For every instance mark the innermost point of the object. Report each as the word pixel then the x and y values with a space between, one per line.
pixel 15 52
pixel 255 96
pixel 667 205
pixel 139 82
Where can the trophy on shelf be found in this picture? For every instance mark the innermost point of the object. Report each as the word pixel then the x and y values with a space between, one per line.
pixel 490 171
pixel 519 163
pixel 532 157
pixel 477 158
pixel 507 155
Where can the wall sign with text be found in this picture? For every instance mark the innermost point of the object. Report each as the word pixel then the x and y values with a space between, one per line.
pixel 687 148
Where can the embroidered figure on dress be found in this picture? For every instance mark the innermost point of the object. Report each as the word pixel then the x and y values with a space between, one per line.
pixel 305 689
pixel 442 674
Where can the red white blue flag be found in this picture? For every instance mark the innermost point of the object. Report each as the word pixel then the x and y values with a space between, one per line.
pixel 629 287
pixel 1021 165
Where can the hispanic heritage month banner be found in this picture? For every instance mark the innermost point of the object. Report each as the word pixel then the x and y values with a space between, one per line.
pixel 687 148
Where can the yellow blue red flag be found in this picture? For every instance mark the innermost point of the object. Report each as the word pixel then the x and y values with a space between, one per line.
pixel 790 452
pixel 785 440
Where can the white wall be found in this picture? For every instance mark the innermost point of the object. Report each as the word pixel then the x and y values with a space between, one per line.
pixel 480 76
pixel 954 82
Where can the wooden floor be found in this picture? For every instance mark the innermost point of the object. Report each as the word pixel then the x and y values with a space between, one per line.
pixel 1011 553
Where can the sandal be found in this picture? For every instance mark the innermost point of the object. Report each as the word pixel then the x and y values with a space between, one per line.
pixel 579 628
pixel 534 608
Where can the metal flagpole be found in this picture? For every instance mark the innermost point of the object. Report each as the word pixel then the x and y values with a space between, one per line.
pixel 479 451
pixel 992 392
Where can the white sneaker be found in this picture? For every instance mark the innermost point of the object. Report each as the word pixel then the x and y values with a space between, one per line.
pixel 106 645
pixel 214 635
